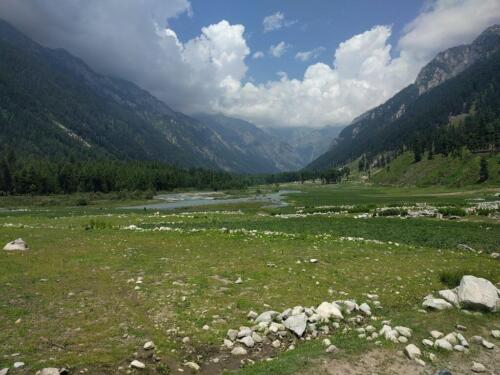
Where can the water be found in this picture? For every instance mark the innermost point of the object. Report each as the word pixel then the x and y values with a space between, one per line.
pixel 184 200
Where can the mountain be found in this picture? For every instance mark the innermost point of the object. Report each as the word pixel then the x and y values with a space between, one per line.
pixel 454 102
pixel 53 105
pixel 307 143
pixel 260 151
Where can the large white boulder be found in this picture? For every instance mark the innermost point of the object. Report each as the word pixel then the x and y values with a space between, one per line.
pixel 477 293
pixel 16 245
pixel 297 324
pixel 329 310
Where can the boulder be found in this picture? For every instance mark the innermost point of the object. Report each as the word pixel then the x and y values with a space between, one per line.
pixel 477 293
pixel 297 324
pixel 328 310
pixel 16 245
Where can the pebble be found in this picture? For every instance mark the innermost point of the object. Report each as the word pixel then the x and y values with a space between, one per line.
pixel 149 345
pixel 436 334
pixel 487 344
pixel 276 343
pixel 185 340
pixel 495 333
pixel 238 350
pixel 247 341
pixel 331 349
pixel 412 351
pixel 443 344
pixel 427 342
pixel 18 364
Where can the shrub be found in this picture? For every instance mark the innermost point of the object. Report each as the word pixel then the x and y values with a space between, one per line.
pixel 393 212
pixel 452 211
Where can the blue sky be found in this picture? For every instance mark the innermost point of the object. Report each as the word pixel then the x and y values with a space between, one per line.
pixel 198 55
pixel 316 24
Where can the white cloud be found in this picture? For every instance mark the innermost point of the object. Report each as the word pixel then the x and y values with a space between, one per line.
pixel 258 55
pixel 308 55
pixel 279 49
pixel 276 21
pixel 132 40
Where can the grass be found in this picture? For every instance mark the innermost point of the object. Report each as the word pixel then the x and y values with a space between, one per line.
pixel 75 290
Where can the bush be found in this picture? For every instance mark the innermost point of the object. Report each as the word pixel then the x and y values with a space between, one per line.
pixel 451 278
pixel 393 212
pixel 82 202
pixel 452 211
pixel 96 224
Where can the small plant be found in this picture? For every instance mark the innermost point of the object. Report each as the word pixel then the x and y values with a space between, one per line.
pixel 452 211
pixel 96 225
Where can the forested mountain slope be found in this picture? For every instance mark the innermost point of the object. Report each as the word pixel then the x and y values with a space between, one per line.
pixel 454 103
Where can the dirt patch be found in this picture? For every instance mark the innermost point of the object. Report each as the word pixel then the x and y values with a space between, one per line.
pixel 388 362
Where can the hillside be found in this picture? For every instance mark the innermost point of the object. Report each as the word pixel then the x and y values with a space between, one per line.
pixel 53 105
pixel 453 103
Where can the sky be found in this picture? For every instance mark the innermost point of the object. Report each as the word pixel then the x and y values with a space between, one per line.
pixel 272 62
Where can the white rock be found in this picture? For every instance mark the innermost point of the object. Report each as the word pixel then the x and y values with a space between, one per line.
pixel 427 342
pixel 18 364
pixel 137 364
pixel 232 334
pixel 247 341
pixel 332 349
pixel 276 343
pixel 238 280
pixel 47 371
pixel 412 351
pixel 402 339
pixel 244 331
pixel 327 342
pixel 149 345
pixel 487 344
pixel 443 344
pixel 252 315
pixel 436 304
pixel 462 340
pixel 186 339
pixel 436 334
pixel 404 331
pixel 495 333
pixel 16 245
pixel 432 357
pixel 4 371
pixel 477 293
pixel 328 310
pixel 451 338
pixel 297 324
pixel 478 367
pixel 228 343
pixel 449 295
pixel 256 337
pixel 365 309
pixel 238 350
pixel 205 327
pixel 458 348
pixel 192 365
pixel 266 316
pixel 420 362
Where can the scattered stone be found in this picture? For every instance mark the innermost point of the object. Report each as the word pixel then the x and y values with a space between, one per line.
pixel 297 324
pixel 458 348
pixel 186 339
pixel 149 345
pixel 16 245
pixel 495 333
pixel 232 334
pixel 451 338
pixel 4 371
pixel 477 293
pixel 443 344
pixel 450 296
pixel 432 357
pixel 244 331
pixel 404 331
pixel 402 339
pixel 412 351
pixel 331 349
pixel 436 334
pixel 436 304
pixel 462 340
pixel 478 367
pixel 247 341
pixel 327 342
pixel 365 309
pixel 328 310
pixel 487 344
pixel 252 315
pixel 18 364
pixel 48 371
pixel 476 339
pixel 276 343
pixel 266 317
pixel 238 280
pixel 256 337
pixel 205 327
pixel 137 364
pixel 192 365
pixel 238 351
pixel 420 362
pixel 461 327
pixel 427 342
pixel 228 343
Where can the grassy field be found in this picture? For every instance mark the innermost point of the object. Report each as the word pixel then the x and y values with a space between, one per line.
pixel 90 292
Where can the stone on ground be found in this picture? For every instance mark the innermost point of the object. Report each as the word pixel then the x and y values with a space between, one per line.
pixel 192 365
pixel 495 333
pixel 450 296
pixel 48 371
pixel 137 364
pixel 403 331
pixel 266 317
pixel 247 341
pixel 16 245
pixel 238 350
pixel 412 351
pixel 443 344
pixel 436 304
pixel 477 293
pixel 328 310
pixel 149 345
pixel 331 349
pixel 297 324
pixel 478 367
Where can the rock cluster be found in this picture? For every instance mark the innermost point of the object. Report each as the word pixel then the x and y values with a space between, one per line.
pixel 473 293
pixel 280 330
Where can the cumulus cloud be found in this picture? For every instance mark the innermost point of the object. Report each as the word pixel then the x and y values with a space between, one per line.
pixel 258 55
pixel 279 49
pixel 308 55
pixel 276 21
pixel 133 40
